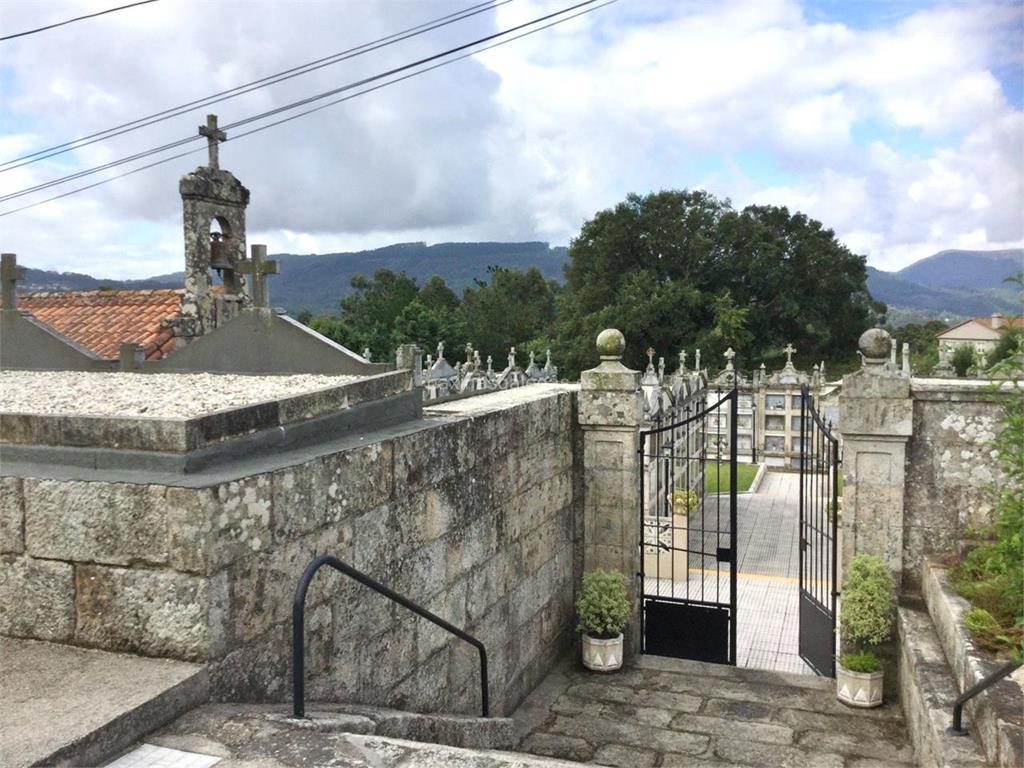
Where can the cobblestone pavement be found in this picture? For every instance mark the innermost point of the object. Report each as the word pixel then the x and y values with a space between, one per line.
pixel 663 713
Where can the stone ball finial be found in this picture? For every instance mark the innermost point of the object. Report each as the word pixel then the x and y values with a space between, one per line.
pixel 875 343
pixel 611 343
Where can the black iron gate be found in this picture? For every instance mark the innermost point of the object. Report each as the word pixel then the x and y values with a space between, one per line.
pixel 688 523
pixel 819 527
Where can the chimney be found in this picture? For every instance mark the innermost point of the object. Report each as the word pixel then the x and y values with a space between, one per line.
pixel 997 320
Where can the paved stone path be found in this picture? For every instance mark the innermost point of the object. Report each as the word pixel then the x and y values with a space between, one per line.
pixel 666 712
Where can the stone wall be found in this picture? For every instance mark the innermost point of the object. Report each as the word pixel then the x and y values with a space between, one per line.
pixel 474 513
pixel 950 469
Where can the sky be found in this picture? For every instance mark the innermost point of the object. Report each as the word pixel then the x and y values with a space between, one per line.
pixel 897 124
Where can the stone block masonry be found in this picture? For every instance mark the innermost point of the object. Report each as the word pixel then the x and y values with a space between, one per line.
pixel 473 512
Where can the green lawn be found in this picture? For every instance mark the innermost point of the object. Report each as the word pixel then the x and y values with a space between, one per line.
pixel 716 479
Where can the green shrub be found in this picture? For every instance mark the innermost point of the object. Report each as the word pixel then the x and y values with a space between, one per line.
pixel 991 575
pixel 861 661
pixel 984 629
pixel 869 602
pixel 603 606
pixel 963 359
pixel 684 502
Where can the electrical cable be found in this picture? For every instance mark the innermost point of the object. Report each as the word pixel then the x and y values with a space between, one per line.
pixel 310 111
pixel 239 90
pixel 287 107
pixel 71 21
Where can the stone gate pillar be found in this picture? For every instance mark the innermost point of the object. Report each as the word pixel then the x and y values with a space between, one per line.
pixel 876 421
pixel 610 411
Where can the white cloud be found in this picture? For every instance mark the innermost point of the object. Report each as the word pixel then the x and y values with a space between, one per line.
pixel 530 139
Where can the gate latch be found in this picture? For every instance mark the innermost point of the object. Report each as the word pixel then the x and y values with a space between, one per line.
pixel 725 554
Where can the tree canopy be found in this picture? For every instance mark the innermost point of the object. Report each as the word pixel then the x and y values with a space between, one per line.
pixel 677 269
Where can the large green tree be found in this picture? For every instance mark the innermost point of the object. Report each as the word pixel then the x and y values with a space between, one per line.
pixel 512 308
pixel 679 269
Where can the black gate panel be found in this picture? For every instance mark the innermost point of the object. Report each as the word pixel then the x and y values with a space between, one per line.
pixel 819 528
pixel 688 546
pixel 817 636
pixel 687 631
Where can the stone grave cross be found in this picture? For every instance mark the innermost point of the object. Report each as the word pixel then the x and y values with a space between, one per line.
pixel 682 361
pixel 790 351
pixel 214 136
pixel 260 267
pixel 728 355
pixel 10 273
pixel 512 358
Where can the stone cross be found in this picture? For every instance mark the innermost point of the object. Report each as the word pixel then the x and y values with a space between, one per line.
pixel 696 360
pixel 214 136
pixel 682 361
pixel 728 355
pixel 531 359
pixel 490 364
pixel 440 350
pixel 10 273
pixel 260 267
pixel 512 358
pixel 790 351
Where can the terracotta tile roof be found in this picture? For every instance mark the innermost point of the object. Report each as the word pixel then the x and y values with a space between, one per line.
pixel 102 320
pixel 1011 321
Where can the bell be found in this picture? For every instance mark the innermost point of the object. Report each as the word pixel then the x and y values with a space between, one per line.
pixel 219 253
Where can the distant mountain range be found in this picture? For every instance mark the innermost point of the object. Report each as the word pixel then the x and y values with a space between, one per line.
pixel 948 285
pixel 317 281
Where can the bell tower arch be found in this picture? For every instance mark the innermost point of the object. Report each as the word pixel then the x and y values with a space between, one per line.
pixel 213 206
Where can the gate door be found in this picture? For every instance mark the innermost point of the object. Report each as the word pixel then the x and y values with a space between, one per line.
pixel 688 524
pixel 819 507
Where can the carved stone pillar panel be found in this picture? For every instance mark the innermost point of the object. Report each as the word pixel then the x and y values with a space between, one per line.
pixel 876 413
pixel 610 411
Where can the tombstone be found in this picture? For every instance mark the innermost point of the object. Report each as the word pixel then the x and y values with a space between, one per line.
pixel 260 268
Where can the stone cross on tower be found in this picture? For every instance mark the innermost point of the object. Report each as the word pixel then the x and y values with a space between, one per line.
pixel 260 267
pixel 10 273
pixel 214 136
pixel 790 351
pixel 728 355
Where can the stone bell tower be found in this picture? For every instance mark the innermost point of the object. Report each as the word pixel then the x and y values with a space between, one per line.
pixel 213 203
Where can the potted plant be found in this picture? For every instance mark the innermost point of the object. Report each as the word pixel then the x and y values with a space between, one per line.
pixel 603 609
pixel 683 502
pixel 869 602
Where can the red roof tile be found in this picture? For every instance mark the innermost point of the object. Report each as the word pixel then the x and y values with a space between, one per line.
pixel 102 320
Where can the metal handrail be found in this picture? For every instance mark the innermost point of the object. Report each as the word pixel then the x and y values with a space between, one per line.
pixel 298 628
pixel 957 729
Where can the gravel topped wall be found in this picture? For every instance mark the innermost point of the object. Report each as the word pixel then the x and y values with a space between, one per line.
pixel 474 515
pixel 163 395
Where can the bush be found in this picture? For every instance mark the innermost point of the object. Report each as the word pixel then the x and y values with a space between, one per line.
pixel 861 661
pixel 963 359
pixel 869 602
pixel 991 575
pixel 603 606
pixel 683 502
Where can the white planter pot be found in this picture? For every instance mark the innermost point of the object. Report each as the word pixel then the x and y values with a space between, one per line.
pixel 859 689
pixel 602 655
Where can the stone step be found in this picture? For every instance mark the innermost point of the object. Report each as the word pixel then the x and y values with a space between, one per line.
pixel 927 693
pixel 997 715
pixel 64 705
pixel 255 736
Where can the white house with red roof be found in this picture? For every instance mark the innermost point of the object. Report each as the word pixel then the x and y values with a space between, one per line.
pixel 982 333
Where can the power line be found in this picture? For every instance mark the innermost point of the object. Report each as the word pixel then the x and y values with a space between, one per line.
pixel 314 109
pixel 239 90
pixel 288 107
pixel 71 21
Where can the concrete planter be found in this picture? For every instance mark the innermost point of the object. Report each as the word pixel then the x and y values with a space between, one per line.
pixel 859 689
pixel 602 655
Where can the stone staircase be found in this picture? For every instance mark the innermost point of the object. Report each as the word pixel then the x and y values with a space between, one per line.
pixel 937 661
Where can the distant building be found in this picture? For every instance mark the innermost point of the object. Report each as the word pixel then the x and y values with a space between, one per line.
pixel 982 333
